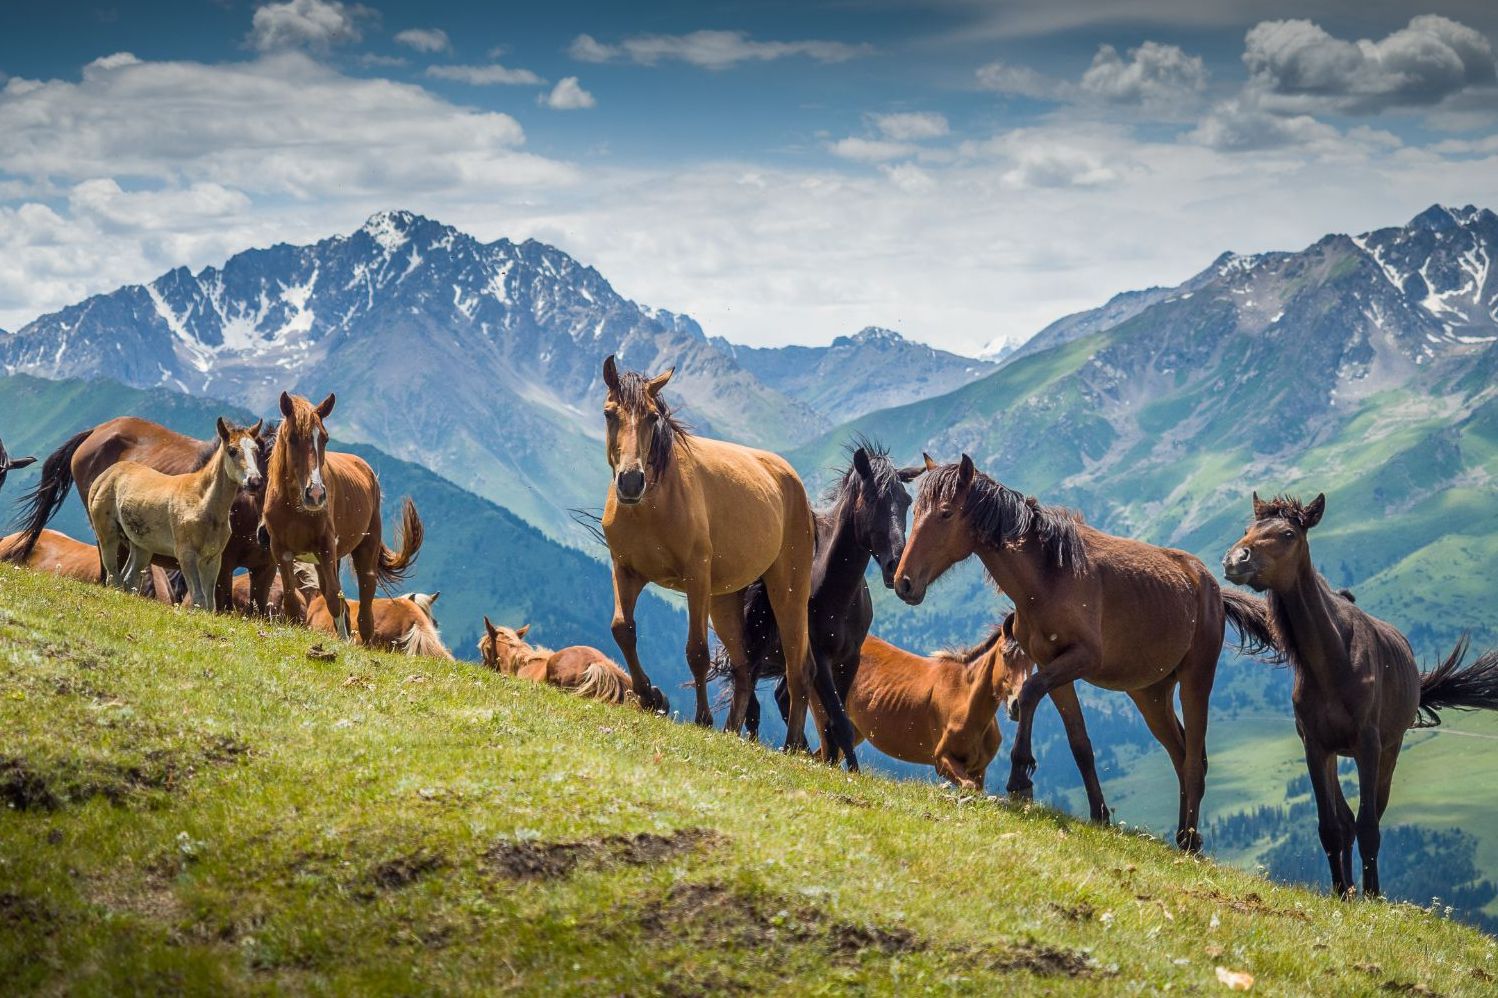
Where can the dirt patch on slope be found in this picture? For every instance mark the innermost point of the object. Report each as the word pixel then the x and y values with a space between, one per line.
pixel 536 860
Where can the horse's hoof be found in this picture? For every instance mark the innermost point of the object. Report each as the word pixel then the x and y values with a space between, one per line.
pixel 1021 791
pixel 1104 818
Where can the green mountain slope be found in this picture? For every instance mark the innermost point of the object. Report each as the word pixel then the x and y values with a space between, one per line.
pixel 194 806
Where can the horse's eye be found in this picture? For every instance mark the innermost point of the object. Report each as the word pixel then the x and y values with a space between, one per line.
pixel 946 514
pixel 1288 535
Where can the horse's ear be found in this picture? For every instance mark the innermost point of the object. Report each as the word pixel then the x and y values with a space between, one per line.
pixel 965 472
pixel 655 384
pixel 520 631
pixel 611 373
pixel 223 430
pixel 1007 628
pixel 861 464
pixel 325 407
pixel 930 464
pixel 254 431
pixel 489 628
pixel 1261 508
pixel 911 473
pixel 1313 511
pixel 432 597
pixel 287 409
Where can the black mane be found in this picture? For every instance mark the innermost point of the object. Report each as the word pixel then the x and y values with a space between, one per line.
pixel 850 484
pixel 1000 515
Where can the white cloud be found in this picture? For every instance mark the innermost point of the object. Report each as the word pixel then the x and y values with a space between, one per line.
pixel 424 39
pixel 870 150
pixel 1154 76
pixel 912 126
pixel 315 24
pixel 1020 81
pixel 485 75
pixel 710 49
pixel 1297 66
pixel 567 95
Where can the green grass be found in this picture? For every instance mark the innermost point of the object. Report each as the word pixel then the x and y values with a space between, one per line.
pixel 198 806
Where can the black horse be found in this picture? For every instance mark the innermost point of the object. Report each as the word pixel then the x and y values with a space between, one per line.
pixel 864 520
pixel 9 464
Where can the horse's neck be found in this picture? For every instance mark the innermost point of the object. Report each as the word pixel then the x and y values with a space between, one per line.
pixel 840 562
pixel 982 701
pixel 1308 625
pixel 1014 570
pixel 216 485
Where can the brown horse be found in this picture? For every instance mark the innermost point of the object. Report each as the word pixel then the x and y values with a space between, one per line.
pixel 9 464
pixel 58 554
pixel 1357 688
pixel 184 517
pixel 706 518
pixel 88 454
pixel 1118 613
pixel 401 624
pixel 326 506
pixel 579 669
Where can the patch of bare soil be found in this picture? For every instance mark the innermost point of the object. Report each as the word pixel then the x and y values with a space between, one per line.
pixel 1249 904
pixel 536 860
pixel 50 784
pixel 397 873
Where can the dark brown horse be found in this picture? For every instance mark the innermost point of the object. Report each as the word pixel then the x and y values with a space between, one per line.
pixel 9 464
pixel 326 506
pixel 91 452
pixel 1117 613
pixel 1357 688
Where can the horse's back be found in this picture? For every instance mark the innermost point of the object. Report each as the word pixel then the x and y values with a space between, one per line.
pixel 566 667
pixel 58 554
pixel 134 439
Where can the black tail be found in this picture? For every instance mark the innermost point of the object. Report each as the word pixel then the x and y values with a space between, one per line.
pixel 1450 687
pixel 1250 616
pixel 41 504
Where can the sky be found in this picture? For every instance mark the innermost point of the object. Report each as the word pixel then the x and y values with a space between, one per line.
pixel 785 172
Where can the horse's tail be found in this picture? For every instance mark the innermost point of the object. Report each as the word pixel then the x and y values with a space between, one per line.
pixel 1250 616
pixel 423 639
pixel 394 567
pixel 601 683
pixel 1450 687
pixel 41 503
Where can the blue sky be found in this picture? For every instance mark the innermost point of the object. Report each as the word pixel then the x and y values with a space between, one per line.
pixel 785 172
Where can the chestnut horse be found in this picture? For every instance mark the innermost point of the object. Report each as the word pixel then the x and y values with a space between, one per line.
pixel 1118 613
pixel 1357 688
pixel 58 554
pixel 9 464
pixel 326 506
pixel 582 670
pixel 401 624
pixel 88 454
pixel 706 518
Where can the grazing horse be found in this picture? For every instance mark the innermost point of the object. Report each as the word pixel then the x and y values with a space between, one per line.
pixel 864 519
pixel 58 554
pixel 9 464
pixel 1118 613
pixel 185 517
pixel 88 454
pixel 326 506
pixel 706 518
pixel 584 671
pixel 1357 688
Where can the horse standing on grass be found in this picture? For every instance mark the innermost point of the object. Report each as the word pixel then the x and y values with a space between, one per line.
pixel 9 464
pixel 326 506
pixel 707 518
pixel 58 554
pixel 1357 688
pixel 579 669
pixel 185 517
pixel 86 456
pixel 1118 613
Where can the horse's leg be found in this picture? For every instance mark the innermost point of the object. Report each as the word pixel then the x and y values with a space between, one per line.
pixel 787 587
pixel 699 660
pixel 1064 698
pixel 1321 768
pixel 1072 664
pixel 727 613
pixel 1370 760
pixel 1345 819
pixel 751 716
pixel 107 531
pixel 331 588
pixel 627 587
pixel 187 560
pixel 208 570
pixel 293 610
pixel 835 729
pixel 1156 706
pixel 366 560
pixel 260 583
pixel 1196 675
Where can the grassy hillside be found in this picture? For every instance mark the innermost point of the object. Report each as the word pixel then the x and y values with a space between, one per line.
pixel 483 558
pixel 196 805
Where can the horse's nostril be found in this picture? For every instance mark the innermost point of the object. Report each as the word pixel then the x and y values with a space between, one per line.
pixel 631 483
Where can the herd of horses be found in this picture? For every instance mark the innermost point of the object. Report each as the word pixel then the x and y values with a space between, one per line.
pixel 259 520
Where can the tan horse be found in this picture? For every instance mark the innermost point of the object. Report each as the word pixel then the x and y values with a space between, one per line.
pixel 401 624
pixel 58 554
pixel 582 670
pixel 326 506
pixel 185 517
pixel 705 518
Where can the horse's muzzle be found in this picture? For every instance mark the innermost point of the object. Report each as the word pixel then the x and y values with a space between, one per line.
pixel 314 496
pixel 888 569
pixel 1238 566
pixel 629 486
pixel 907 590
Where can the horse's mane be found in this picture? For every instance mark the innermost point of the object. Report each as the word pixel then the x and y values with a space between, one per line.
pixel 971 654
pixel 206 450
pixel 999 515
pixel 1285 507
pixel 633 394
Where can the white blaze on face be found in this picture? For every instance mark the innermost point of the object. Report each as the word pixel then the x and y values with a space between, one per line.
pixel 247 456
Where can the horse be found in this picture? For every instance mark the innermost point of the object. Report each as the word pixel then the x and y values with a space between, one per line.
pixel 401 624
pixel 1357 688
pixel 58 554
pixel 9 464
pixel 326 505
pixel 182 516
pixel 863 520
pixel 84 457
pixel 580 669
pixel 707 518
pixel 1118 613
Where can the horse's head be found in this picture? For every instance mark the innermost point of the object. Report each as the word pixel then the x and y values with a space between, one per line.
pixel 241 453
pixel 940 534
pixel 880 502
pixel 1275 547
pixel 641 429
pixel 303 443
pixel 1010 680
pixel 501 648
pixel 9 464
